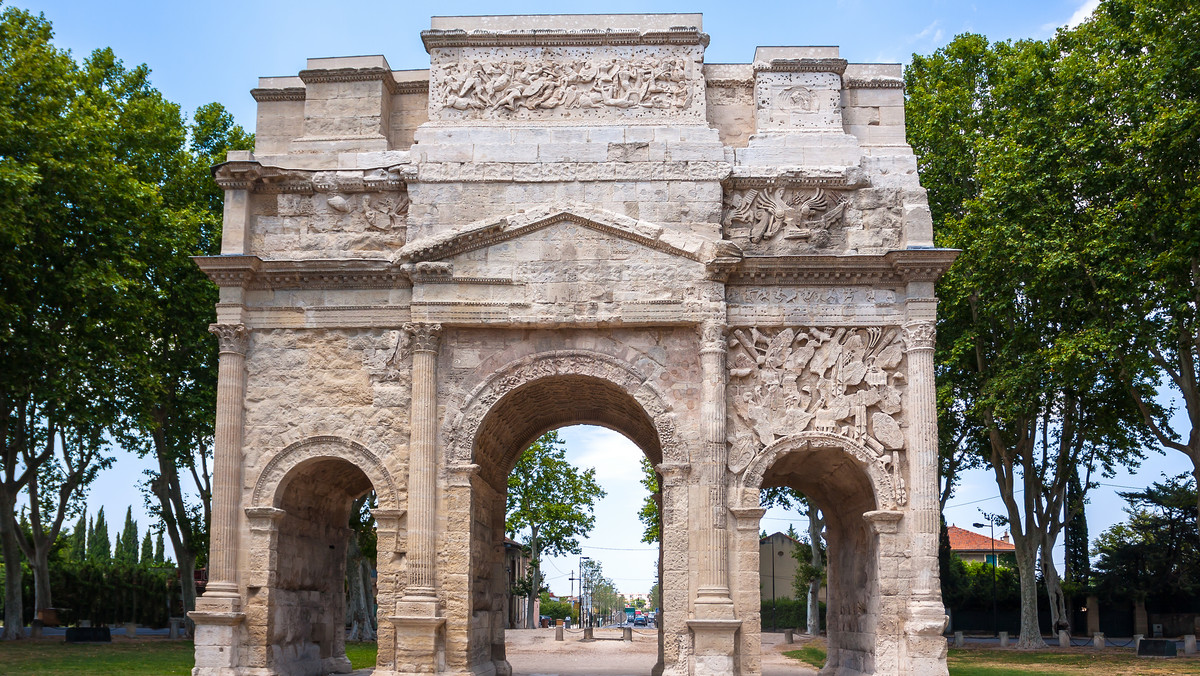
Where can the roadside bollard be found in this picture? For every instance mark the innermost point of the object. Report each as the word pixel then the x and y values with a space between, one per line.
pixel 1137 642
pixel 174 632
pixel 789 636
pixel 1098 640
pixel 958 639
pixel 1064 638
pixel 627 634
pixel 1004 639
pixel 588 635
pixel 558 632
pixel 1189 644
pixel 130 629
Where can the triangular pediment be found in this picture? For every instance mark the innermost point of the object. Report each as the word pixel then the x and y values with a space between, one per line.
pixel 493 231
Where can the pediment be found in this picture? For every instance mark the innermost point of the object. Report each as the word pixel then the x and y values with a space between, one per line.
pixel 494 231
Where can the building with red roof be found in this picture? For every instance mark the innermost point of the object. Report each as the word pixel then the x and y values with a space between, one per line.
pixel 970 546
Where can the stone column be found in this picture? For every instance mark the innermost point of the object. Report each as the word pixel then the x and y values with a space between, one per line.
pixel 891 571
pixel 923 452
pixel 227 461
pixel 420 641
pixel 926 615
pixel 218 613
pixel 422 463
pixel 714 627
pixel 714 554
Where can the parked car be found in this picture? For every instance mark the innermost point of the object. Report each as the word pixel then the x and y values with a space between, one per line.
pixel 639 621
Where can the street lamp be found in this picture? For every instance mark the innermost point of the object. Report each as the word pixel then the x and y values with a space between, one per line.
pixel 992 524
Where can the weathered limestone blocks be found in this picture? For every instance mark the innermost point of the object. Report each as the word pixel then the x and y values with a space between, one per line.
pixel 571 220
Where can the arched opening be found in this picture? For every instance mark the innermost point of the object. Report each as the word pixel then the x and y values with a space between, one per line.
pixel 306 609
pixel 517 419
pixel 844 490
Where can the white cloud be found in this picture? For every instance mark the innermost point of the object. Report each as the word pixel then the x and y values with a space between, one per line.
pixel 1082 13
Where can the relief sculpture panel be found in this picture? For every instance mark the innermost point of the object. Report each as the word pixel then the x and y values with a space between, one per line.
pixel 567 84
pixel 804 219
pixel 844 381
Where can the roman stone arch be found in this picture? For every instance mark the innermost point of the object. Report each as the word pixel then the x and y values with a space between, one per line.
pixel 568 219
pixel 461 429
pixel 273 476
pixel 877 468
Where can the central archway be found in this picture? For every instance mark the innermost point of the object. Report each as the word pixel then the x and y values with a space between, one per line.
pixel 508 410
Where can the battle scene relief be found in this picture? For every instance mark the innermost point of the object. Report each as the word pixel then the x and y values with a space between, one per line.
pixel 844 381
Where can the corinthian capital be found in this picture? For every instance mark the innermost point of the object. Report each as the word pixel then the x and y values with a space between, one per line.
pixel 231 337
pixel 424 336
pixel 920 335
pixel 713 335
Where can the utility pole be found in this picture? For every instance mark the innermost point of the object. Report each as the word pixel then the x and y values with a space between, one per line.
pixel 774 598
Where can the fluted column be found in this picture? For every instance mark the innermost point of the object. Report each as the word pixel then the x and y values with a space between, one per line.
pixel 923 452
pixel 227 459
pixel 714 559
pixel 422 462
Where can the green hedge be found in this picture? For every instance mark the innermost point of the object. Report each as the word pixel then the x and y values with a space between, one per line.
pixel 108 593
pixel 786 614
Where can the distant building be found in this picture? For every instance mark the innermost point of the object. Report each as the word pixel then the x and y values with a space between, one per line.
pixel 516 565
pixel 970 546
pixel 776 566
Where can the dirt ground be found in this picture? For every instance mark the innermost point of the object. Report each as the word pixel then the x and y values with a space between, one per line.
pixel 534 652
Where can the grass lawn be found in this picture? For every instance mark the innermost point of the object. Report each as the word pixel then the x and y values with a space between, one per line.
pixel 979 662
pixel 122 657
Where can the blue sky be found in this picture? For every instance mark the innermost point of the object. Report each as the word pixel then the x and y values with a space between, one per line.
pixel 215 51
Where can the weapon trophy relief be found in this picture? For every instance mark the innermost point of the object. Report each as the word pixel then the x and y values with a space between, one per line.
pixel 804 219
pixel 845 381
pixel 511 87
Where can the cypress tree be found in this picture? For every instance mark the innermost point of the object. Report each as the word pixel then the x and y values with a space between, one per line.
pixel 98 542
pixel 159 556
pixel 147 549
pixel 127 550
pixel 78 540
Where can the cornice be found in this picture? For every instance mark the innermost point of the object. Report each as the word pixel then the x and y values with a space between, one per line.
pixel 745 177
pixel 283 94
pixel 678 35
pixel 893 267
pixel 872 83
pixel 730 83
pixel 837 66
pixel 326 75
pixel 252 272
pixel 252 176
pixel 412 87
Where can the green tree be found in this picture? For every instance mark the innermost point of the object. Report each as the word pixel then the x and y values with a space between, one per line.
pixel 78 546
pixel 160 555
pixel 98 542
pixel 1018 341
pixel 649 513
pixel 173 406
pixel 1130 100
pixel 147 554
pixel 551 504
pixel 127 542
pixel 1155 554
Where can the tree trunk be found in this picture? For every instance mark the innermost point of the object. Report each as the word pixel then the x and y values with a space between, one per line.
pixel 14 609
pixel 816 524
pixel 531 621
pixel 187 579
pixel 1031 633
pixel 41 579
pixel 1060 617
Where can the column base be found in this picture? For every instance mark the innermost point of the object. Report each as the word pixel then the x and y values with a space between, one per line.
pixel 923 633
pixel 217 638
pixel 715 646
pixel 420 642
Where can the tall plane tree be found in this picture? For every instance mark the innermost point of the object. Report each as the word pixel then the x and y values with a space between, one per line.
pixel 551 504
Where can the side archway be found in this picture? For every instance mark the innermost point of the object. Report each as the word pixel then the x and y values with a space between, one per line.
pixel 279 470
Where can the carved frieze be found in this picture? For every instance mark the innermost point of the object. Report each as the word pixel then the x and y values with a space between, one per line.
pixel 565 83
pixel 844 381
pixel 798 219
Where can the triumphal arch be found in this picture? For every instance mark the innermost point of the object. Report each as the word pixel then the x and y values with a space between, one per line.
pixel 571 219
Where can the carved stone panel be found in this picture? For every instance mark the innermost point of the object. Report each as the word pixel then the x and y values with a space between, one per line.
pixel 800 220
pixel 621 83
pixel 798 101
pixel 845 381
